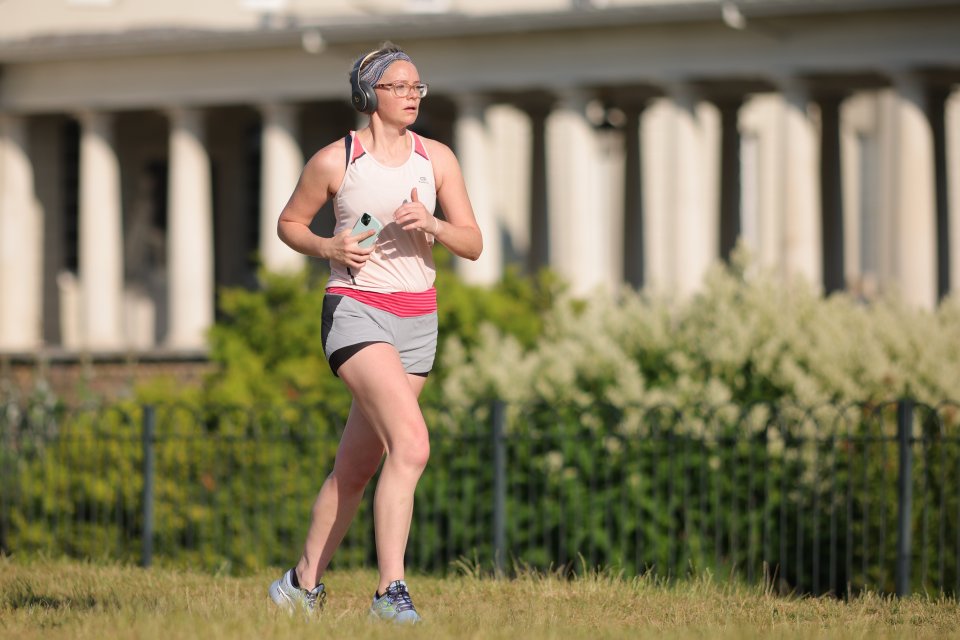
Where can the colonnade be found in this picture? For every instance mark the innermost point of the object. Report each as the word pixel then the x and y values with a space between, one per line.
pixel 649 189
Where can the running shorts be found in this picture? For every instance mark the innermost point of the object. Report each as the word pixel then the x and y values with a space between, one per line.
pixel 349 325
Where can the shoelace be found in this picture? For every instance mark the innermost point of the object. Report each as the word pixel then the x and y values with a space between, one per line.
pixel 315 597
pixel 400 598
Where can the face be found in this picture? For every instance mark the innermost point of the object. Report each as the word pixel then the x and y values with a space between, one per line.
pixel 389 107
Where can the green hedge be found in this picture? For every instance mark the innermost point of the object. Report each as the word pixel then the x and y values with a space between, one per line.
pixel 644 433
pixel 725 489
pixel 747 337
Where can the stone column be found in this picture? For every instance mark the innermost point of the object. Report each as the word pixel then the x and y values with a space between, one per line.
pixel 800 183
pixel 656 123
pixel 190 232
pixel 101 243
pixel 281 164
pixel 761 124
pixel 472 141
pixel 612 170
pixel 689 190
pixel 579 202
pixel 20 241
pixel 952 133
pixel 915 199
pixel 511 170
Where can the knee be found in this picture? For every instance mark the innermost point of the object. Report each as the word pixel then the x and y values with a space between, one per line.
pixel 412 453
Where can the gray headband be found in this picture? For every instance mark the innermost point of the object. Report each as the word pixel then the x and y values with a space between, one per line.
pixel 374 68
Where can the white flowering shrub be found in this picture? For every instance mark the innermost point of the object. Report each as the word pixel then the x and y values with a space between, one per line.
pixel 741 340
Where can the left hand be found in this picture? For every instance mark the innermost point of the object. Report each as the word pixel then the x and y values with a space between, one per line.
pixel 413 215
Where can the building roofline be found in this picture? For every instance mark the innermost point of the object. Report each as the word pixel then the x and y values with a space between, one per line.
pixel 282 31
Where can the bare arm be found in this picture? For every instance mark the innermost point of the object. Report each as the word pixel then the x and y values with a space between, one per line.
pixel 319 180
pixel 460 232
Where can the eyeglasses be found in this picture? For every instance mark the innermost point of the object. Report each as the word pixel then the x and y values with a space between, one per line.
pixel 402 89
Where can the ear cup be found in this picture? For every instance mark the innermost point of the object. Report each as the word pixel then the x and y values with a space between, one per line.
pixel 362 95
pixel 365 98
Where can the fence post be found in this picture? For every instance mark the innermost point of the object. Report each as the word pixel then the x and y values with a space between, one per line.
pixel 499 488
pixel 904 493
pixel 148 434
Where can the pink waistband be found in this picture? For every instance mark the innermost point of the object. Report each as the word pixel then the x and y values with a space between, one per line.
pixel 404 304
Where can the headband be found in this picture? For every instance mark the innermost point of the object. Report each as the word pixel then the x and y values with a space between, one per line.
pixel 372 71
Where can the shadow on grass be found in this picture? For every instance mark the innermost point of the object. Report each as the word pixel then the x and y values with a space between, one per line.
pixel 22 595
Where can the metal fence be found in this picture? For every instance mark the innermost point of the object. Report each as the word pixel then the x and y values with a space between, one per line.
pixel 832 499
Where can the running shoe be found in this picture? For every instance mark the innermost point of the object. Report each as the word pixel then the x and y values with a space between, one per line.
pixel 395 605
pixel 289 596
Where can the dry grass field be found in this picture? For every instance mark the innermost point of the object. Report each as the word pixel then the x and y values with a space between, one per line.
pixel 47 598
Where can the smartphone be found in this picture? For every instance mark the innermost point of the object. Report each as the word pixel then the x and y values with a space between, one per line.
pixel 367 222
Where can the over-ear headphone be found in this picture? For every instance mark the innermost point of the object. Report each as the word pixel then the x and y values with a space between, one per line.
pixel 362 95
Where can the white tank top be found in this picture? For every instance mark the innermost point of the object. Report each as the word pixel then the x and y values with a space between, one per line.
pixel 402 260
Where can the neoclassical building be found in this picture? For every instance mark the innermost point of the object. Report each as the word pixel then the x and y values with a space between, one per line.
pixel 146 148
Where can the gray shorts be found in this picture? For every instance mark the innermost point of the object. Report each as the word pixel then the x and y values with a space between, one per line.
pixel 350 325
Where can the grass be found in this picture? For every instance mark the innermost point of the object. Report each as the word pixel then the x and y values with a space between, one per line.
pixel 46 598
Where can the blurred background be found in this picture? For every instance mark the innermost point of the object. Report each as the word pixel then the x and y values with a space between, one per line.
pixel 783 414
pixel 146 148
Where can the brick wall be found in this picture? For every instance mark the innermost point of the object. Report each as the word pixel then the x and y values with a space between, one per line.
pixel 76 377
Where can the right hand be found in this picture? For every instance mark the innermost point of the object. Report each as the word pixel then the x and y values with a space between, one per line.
pixel 346 250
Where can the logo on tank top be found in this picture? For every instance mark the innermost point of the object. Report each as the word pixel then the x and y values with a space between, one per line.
pixel 423 180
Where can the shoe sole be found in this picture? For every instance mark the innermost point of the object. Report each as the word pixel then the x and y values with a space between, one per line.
pixel 374 616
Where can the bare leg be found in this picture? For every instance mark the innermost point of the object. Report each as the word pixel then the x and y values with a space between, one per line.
pixel 358 457
pixel 387 395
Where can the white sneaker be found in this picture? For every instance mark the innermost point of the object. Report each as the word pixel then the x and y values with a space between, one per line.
pixel 395 605
pixel 290 597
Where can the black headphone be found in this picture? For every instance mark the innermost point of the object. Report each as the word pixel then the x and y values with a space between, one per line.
pixel 362 95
